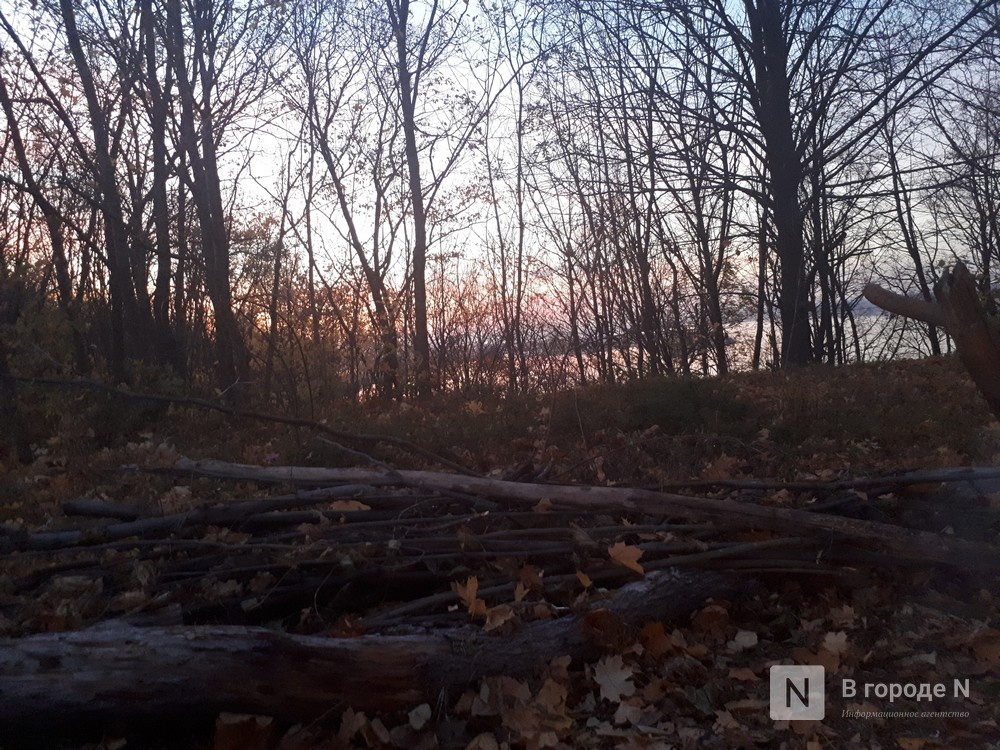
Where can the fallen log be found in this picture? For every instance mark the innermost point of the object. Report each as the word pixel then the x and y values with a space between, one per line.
pixel 119 671
pixel 901 543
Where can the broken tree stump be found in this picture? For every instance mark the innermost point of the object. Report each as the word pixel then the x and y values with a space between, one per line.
pixel 958 309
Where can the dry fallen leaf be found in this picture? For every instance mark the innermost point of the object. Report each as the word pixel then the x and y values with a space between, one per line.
pixel 614 678
pixel 552 696
pixel 627 556
pixel 985 644
pixel 656 640
pixel 531 577
pixel 242 732
pixel 351 722
pixel 467 593
pixel 712 619
pixel 725 720
pixel 835 645
pixel 628 712
pixel 519 592
pixel 559 667
pixel 484 741
pixel 497 616
pixel 743 674
pixel 542 506
pixel 743 640
pixel 722 468
pixel 419 716
pixel 348 506
pixel 842 617
pixel 836 642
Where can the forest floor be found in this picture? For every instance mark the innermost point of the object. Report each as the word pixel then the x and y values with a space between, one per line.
pixel 698 681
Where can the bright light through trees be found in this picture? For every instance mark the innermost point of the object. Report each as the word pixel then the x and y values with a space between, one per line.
pixel 295 200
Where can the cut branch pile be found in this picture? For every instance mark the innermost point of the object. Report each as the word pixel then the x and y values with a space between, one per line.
pixel 388 567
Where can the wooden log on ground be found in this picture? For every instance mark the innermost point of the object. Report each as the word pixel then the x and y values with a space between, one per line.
pixel 119 671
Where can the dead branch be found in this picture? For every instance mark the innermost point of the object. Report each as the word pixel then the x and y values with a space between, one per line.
pixel 222 515
pixel 91 508
pixel 904 544
pixel 875 482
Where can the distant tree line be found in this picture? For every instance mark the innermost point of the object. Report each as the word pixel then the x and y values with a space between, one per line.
pixel 299 200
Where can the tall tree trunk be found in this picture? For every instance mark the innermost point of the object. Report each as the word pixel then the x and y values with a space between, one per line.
pixel 399 15
pixel 198 139
pixel 167 344
pixel 129 323
pixel 773 105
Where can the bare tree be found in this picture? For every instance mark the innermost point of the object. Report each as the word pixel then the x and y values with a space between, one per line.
pixel 53 223
pixel 342 114
pixel 799 64
pixel 218 50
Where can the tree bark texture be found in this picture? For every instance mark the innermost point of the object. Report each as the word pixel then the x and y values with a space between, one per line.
pixel 116 670
pixel 772 103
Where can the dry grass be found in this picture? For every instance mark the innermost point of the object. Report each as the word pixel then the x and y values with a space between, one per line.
pixel 814 421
